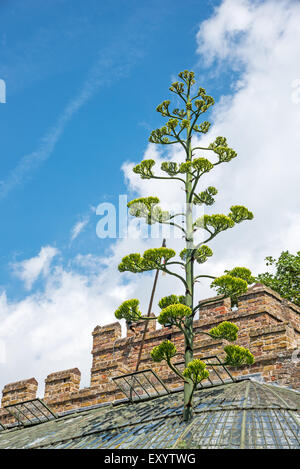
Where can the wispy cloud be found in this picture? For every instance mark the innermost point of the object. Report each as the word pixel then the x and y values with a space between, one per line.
pixel 111 64
pixel 79 227
pixel 47 144
pixel 30 269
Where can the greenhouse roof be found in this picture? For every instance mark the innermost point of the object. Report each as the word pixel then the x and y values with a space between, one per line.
pixel 244 414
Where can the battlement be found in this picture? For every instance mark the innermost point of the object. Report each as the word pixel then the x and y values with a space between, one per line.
pixel 268 325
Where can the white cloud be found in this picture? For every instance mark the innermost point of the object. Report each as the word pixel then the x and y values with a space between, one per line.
pixel 30 269
pixel 50 330
pixel 217 33
pixel 78 228
pixel 260 118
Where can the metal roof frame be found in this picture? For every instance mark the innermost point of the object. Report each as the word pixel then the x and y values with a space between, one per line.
pixel 134 384
pixel 135 390
pixel 31 412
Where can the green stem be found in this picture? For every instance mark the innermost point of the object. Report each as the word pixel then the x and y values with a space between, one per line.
pixel 176 371
pixel 191 395
pixel 163 269
pixel 170 178
pixel 177 215
pixel 206 241
pixel 189 267
pixel 196 180
pixel 172 224
pixel 202 148
pixel 178 263
pixel 204 276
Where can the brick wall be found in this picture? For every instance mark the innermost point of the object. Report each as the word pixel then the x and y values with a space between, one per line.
pixel 15 393
pixel 268 325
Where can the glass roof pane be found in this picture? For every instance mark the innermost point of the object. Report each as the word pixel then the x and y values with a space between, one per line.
pixel 31 412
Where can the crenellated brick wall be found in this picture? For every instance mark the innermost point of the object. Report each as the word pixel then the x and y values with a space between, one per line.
pixel 14 393
pixel 268 325
pixel 61 384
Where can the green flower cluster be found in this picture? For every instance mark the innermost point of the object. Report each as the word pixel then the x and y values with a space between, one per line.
pixel 142 207
pixel 170 167
pixel 237 356
pixel 147 208
pixel 219 142
pixel 172 124
pixel 177 87
pixel 203 104
pixel 205 197
pixel 135 263
pixel 164 351
pixel 129 310
pixel 159 215
pixel 230 287
pixel 220 147
pixel 217 223
pixel 225 330
pixel 174 314
pixel 238 213
pixel 152 259
pixel 181 113
pixel 241 272
pixel 185 167
pixel 202 128
pixel 160 135
pixel 171 300
pixel 163 108
pixel 158 254
pixel 234 283
pixel 201 254
pixel 202 165
pixel 144 169
pixel 188 77
pixel 196 371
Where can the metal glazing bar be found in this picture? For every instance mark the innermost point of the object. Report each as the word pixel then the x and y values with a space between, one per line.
pixel 211 382
pixel 243 430
pixel 40 410
pixel 151 384
pixel 225 368
pixel 30 412
pixel 220 378
pixel 161 382
pixel 18 410
pixel 282 428
pixel 216 423
pixel 43 404
pixel 131 389
pixel 140 384
pixel 123 389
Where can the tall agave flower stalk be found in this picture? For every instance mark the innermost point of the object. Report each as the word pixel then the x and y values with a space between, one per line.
pixel 182 124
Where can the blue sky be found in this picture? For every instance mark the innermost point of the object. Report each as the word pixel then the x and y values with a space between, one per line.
pixel 116 59
pixel 83 80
